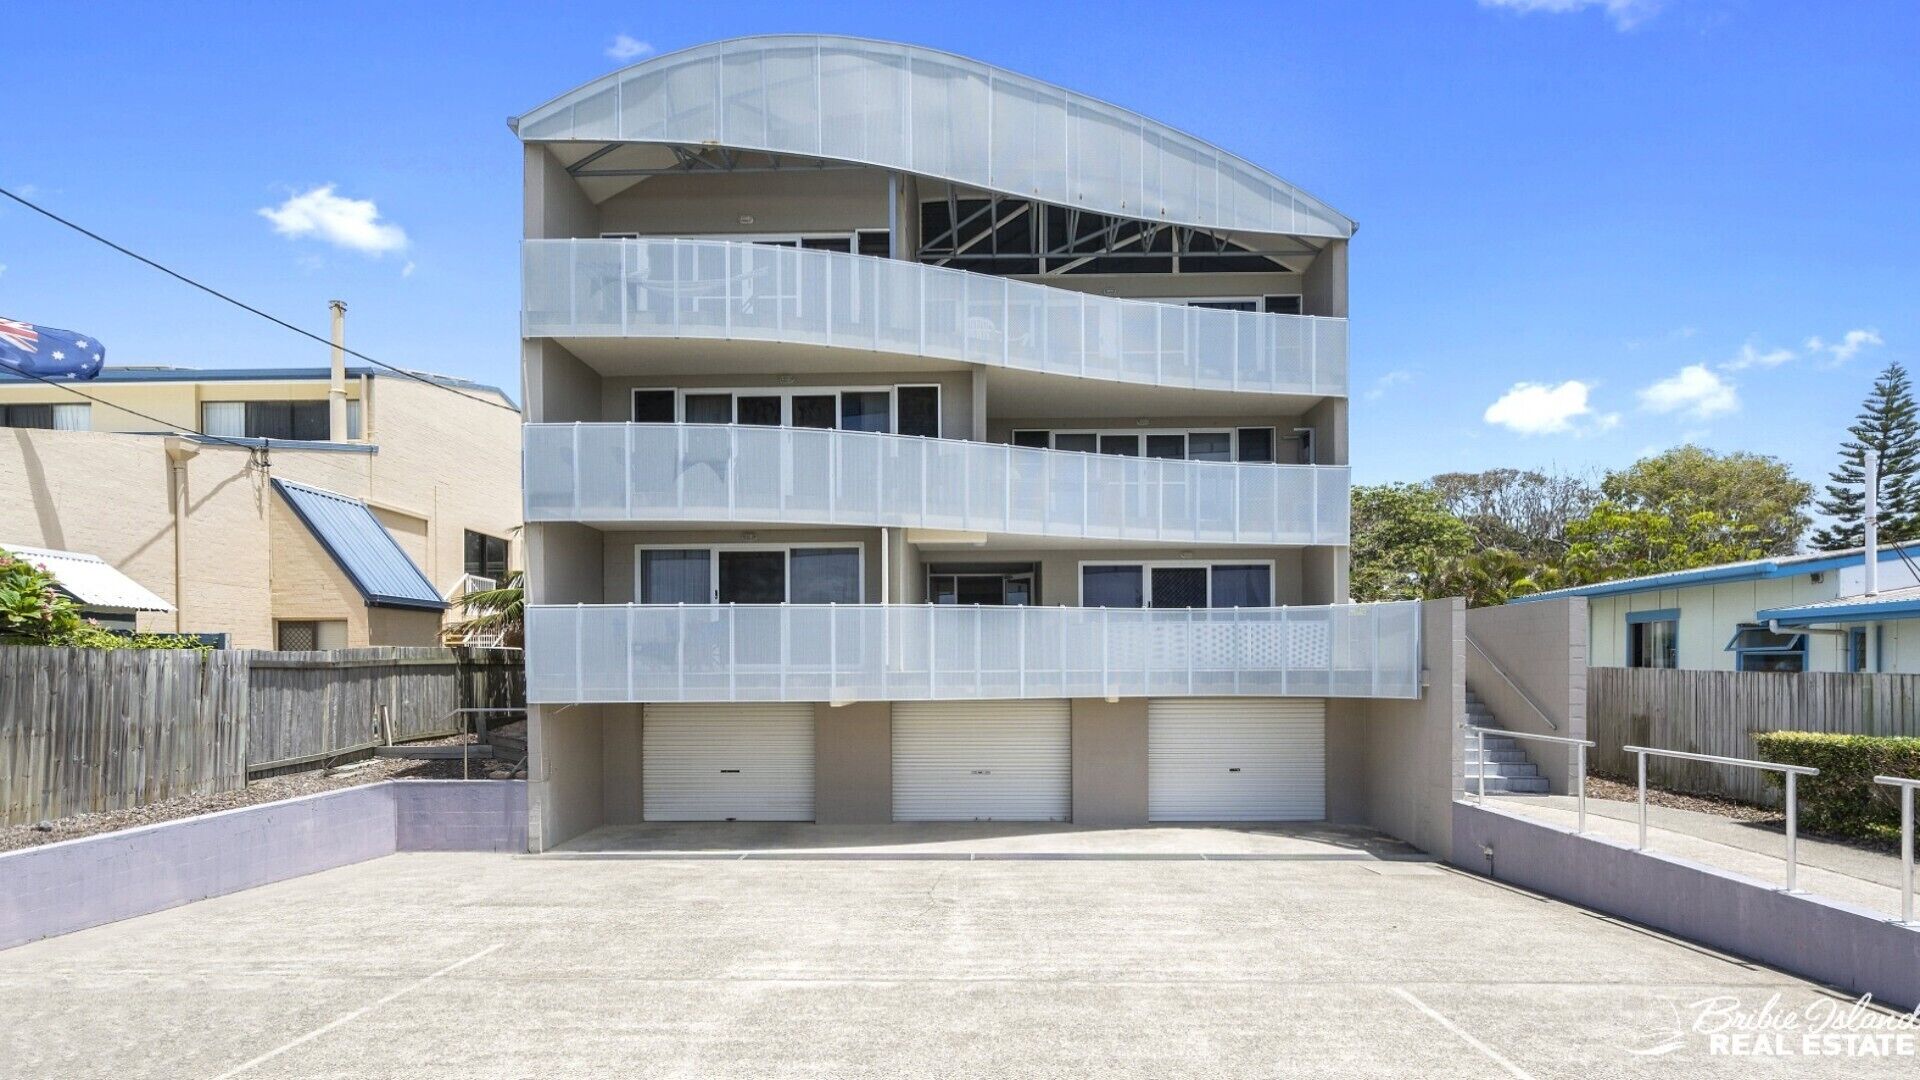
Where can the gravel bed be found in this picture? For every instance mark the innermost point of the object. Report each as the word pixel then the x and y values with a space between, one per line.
pixel 270 789
pixel 1601 787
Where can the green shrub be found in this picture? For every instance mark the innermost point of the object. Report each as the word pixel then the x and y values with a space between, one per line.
pixel 1843 799
pixel 33 611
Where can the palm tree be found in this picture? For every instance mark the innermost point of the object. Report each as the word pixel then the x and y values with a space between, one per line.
pixel 499 612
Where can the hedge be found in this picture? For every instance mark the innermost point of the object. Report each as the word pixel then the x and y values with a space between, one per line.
pixel 1843 799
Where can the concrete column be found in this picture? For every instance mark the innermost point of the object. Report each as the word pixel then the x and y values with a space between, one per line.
pixel 1109 761
pixel 853 763
pixel 563 774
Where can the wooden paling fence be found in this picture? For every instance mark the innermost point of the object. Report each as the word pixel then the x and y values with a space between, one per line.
pixel 1719 712
pixel 86 730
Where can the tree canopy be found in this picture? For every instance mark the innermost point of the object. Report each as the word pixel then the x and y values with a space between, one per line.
pixel 1742 489
pixel 1889 425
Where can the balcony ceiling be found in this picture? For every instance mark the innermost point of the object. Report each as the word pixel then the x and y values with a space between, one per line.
pixel 918 110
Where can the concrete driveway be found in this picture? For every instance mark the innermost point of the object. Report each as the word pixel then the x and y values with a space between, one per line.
pixel 491 966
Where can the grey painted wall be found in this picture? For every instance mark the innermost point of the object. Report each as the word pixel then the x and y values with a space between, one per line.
pixel 1825 940
pixel 74 884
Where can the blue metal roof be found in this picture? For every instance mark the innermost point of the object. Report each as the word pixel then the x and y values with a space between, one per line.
pixel 1893 604
pixel 1751 570
pixel 368 554
pixel 291 374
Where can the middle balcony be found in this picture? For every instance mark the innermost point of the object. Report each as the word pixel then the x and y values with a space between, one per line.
pixel 726 473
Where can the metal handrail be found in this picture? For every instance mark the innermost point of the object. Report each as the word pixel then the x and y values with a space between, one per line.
pixel 1906 786
pixel 1502 672
pixel 1580 762
pixel 466 726
pixel 1793 772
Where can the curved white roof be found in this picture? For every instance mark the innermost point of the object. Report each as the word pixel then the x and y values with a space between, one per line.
pixel 935 114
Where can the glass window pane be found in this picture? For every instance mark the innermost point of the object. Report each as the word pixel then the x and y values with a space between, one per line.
pixel 676 577
pixel 827 243
pixel 941 589
pixel 864 410
pixel 825 575
pixel 1256 444
pixel 653 406
pixel 1167 446
pixel 1179 586
pixel 920 410
pixel 1242 586
pixel 753 577
pixel 709 408
pixel 1210 446
pixel 1034 439
pixel 269 420
pixel 224 418
pixel 1112 586
pixel 1079 441
pixel 760 411
pixel 1283 305
pixel 1123 445
pixel 813 410
pixel 982 589
pixel 353 420
pixel 30 416
pixel 311 421
pixel 1019 590
pixel 875 243
pixel 1223 305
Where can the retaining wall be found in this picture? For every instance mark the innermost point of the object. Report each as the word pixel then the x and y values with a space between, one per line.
pixel 1829 941
pixel 59 888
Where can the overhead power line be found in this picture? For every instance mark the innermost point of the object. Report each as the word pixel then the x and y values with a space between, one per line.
pixel 244 306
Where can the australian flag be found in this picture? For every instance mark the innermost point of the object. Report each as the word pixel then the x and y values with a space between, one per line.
pixel 49 353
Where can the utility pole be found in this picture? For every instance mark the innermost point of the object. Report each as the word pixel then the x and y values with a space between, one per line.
pixel 337 386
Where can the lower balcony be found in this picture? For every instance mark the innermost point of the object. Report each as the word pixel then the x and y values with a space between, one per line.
pixel 610 473
pixel 898 652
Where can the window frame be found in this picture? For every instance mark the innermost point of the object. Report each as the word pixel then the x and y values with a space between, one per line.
pixel 1148 566
pixel 1635 619
pixel 1798 647
pixel 713 565
pixel 786 394
pixel 1231 431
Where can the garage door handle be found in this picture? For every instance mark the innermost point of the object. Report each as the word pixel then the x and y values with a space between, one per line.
pixel 1234 769
pixel 723 772
pixel 983 772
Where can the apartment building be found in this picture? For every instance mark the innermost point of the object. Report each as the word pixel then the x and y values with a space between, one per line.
pixel 912 440
pixel 231 496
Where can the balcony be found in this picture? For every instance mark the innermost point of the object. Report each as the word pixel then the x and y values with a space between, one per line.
pixel 717 289
pixel 842 653
pixel 765 475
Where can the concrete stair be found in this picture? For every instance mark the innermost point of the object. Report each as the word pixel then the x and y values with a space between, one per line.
pixel 1506 765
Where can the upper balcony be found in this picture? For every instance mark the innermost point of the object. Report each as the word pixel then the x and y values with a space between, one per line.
pixel 727 473
pixel 705 290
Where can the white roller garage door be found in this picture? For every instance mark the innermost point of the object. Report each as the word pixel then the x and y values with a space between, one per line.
pixel 1236 760
pixel 982 761
pixel 727 763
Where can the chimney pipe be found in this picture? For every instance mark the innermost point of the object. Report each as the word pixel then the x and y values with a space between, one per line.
pixel 1870 518
pixel 337 386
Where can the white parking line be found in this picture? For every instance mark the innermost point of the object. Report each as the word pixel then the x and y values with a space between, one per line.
pixel 1492 1054
pixel 364 1009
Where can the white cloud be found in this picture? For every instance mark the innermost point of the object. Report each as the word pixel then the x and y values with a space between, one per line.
pixel 1750 356
pixel 1387 382
pixel 1625 14
pixel 1847 347
pixel 625 47
pixel 1538 409
pixel 353 224
pixel 407 270
pixel 1695 391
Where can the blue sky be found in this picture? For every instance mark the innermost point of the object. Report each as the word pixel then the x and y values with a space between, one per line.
pixel 1587 229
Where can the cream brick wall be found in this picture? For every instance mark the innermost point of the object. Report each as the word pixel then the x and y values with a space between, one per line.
pixel 441 466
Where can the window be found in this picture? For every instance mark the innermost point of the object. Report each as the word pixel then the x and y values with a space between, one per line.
pixel 61 417
pixel 305 421
pixel 1653 639
pixel 1256 444
pixel 874 243
pixel 749 574
pixel 919 410
pixel 1034 440
pixel 1009 585
pixel 1857 648
pixel 863 410
pixel 1281 305
pixel 309 635
pixel 353 420
pixel 486 556
pixel 1756 648
pixel 653 406
pixel 1176 585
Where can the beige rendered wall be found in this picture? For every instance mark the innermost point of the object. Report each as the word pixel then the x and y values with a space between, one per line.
pixel 564 773
pixel 1530 668
pixel 1410 757
pixel 713 203
pixel 620 774
pixel 1109 761
pixel 853 763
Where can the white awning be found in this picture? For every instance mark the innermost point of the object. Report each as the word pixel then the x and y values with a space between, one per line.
pixel 89 580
